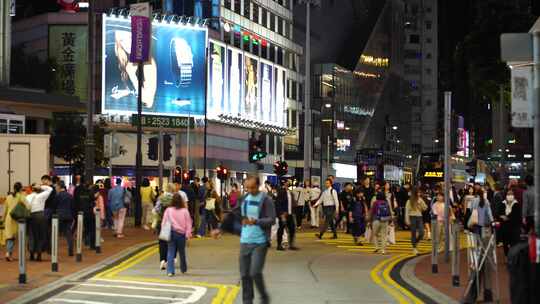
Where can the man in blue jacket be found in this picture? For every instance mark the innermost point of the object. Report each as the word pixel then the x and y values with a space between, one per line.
pixel 64 209
pixel 115 199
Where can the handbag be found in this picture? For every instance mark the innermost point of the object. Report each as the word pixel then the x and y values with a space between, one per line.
pixel 473 219
pixel 20 212
pixel 165 232
pixel 210 204
pixel 391 235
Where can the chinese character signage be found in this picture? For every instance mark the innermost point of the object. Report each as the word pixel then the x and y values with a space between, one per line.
pixel 174 75
pixel 140 32
pixel 68 53
pixel 522 91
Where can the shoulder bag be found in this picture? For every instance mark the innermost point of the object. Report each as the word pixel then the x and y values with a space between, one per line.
pixel 165 232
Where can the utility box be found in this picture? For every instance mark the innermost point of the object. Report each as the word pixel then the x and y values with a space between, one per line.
pixel 24 158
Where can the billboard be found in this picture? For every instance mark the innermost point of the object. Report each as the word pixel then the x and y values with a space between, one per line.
pixel 216 83
pixel 234 76
pixel 68 53
pixel 174 75
pixel 251 105
pixel 267 92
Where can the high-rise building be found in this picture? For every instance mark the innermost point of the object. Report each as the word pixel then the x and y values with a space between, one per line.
pixel 421 74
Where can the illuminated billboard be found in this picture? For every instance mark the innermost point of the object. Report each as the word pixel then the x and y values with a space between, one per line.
pixel 174 77
pixel 234 75
pixel 267 91
pixel 251 105
pixel 216 72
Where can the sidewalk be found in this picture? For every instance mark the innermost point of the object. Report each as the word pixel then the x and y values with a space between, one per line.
pixel 39 273
pixel 442 281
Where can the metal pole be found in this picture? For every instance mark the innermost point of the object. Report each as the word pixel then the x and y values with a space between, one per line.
pixel 188 141
pixel 328 155
pixel 536 80
pixel 160 159
pixel 80 226
pixel 455 254
pixel 89 143
pixel 22 251
pixel 308 148
pixel 447 172
pixel 54 244
pixel 434 246
pixel 98 230
pixel 138 156
pixel 205 111
pixel 111 154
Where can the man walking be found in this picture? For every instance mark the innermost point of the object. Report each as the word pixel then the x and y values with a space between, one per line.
pixel 330 204
pixel 346 198
pixel 116 203
pixel 64 209
pixel 285 206
pixel 257 213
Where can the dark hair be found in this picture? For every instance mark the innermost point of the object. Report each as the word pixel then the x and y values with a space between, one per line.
pixel 205 179
pixel 257 180
pixel 145 182
pixel 178 202
pixel 61 184
pixel 17 187
pixel 381 196
pixel 235 185
pixel 529 180
pixel 55 179
pixel 329 180
pixel 118 181
pixel 46 177
pixel 480 193
pixel 196 179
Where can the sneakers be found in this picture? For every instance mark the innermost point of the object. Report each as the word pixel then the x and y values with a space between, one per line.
pixel 383 252
pixel 280 248
pixel 170 274
pixel 162 265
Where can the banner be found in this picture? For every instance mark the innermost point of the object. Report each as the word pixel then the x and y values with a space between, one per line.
pixel 140 32
pixel 68 53
pixel 522 94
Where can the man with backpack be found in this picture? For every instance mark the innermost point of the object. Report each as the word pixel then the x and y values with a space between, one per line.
pixel 330 203
pixel 380 215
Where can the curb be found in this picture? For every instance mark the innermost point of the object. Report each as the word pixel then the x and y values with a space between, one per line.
pixel 404 275
pixel 41 293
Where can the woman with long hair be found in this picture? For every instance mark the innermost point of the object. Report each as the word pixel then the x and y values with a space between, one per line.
pixel 10 224
pixel 164 202
pixel 178 216
pixel 147 201
pixel 212 206
pixel 426 214
pixel 413 218
pixel 357 216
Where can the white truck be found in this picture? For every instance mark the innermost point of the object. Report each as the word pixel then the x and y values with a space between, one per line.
pixel 23 158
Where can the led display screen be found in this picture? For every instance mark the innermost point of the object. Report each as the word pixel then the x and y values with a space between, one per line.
pixel 174 77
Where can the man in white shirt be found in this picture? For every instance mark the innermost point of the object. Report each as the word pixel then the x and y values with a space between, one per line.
pixel 302 195
pixel 315 193
pixel 38 221
pixel 330 203
pixel 285 204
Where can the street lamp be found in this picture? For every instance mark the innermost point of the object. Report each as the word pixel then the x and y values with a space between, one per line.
pixel 328 105
pixel 394 128
pixel 436 141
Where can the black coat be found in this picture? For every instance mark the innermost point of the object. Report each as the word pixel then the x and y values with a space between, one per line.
pixel 64 205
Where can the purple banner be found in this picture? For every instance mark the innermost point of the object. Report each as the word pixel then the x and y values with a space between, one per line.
pixel 140 39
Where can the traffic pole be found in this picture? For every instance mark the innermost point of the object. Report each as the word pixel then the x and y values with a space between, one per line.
pixel 434 246
pixel 54 244
pixel 138 155
pixel 536 109
pixel 455 254
pixel 80 226
pixel 160 159
pixel 98 230
pixel 22 251
pixel 447 172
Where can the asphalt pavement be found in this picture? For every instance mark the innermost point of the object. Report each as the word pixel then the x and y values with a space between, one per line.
pixel 322 272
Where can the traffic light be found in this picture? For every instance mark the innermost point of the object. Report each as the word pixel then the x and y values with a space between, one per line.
pixel 281 168
pixel 256 150
pixel 153 147
pixel 471 167
pixel 222 172
pixel 185 177
pixel 167 147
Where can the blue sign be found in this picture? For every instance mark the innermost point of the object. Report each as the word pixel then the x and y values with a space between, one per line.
pixel 174 75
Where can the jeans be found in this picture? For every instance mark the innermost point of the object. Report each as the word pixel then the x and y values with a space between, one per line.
pixel 329 213
pixel 38 233
pixel 380 231
pixel 299 213
pixel 176 244
pixel 119 218
pixel 208 217
pixel 417 229
pixel 10 244
pixel 252 259
pixel 108 222
pixel 289 223
pixel 64 227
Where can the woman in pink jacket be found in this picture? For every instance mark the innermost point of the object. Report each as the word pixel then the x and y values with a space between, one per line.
pixel 178 215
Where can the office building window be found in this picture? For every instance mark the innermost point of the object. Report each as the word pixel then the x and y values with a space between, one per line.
pixel 255 47
pixel 294 65
pixel 238 7
pixel 286 29
pixel 280 56
pixel 280 2
pixel 271 144
pixel 429 24
pixel 272 22
pixel 294 92
pixel 287 4
pixel 428 71
pixel 272 53
pixel 264 51
pixel 429 40
pixel 227 37
pixel 246 43
pixel 300 92
pixel 414 39
pixel 294 121
pixel 227 4
pixel 237 40
pixel 247 8
pixel 264 18
pixel 280 25
pixel 255 13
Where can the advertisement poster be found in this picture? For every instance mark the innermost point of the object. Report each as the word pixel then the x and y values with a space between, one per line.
pixel 174 75
pixel 140 32
pixel 280 97
pixel 68 52
pixel 522 94
pixel 235 82
pixel 251 107
pixel 266 92
pixel 216 84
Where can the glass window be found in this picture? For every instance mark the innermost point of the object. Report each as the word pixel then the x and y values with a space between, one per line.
pixel 280 26
pixel 238 7
pixel 255 12
pixel 3 126
pixel 237 39
pixel 272 53
pixel 264 51
pixel 414 39
pixel 255 47
pixel 429 40
pixel 300 92
pixel 280 2
pixel 272 22
pixel 247 8
pixel 264 18
pixel 287 3
pixel 246 42
pixel 286 29
pixel 294 91
pixel 294 122
pixel 286 59
pixel 429 24
pixel 271 143
pixel 280 56
pixel 16 126
pixel 227 4
pixel 294 62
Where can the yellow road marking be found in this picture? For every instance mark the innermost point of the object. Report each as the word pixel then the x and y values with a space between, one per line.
pixel 379 281
pixel 389 280
pixel 226 294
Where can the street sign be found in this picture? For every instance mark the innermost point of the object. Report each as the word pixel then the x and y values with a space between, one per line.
pixel 522 97
pixel 516 47
pixel 155 121
pixel 140 32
